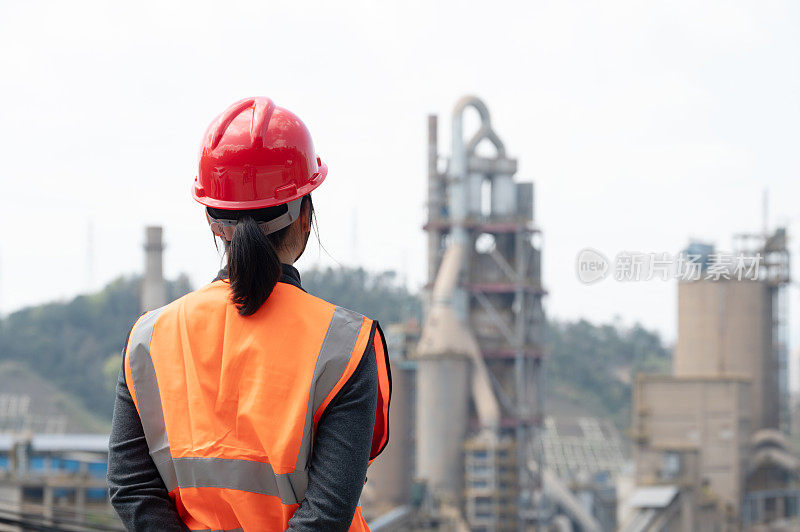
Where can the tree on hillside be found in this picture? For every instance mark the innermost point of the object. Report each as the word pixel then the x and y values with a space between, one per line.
pixel 77 344
pixel 68 342
pixel 377 295
pixel 594 365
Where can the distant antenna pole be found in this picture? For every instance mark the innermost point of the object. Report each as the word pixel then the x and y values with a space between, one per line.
pixel 89 256
pixel 765 212
pixel 404 261
pixel 355 238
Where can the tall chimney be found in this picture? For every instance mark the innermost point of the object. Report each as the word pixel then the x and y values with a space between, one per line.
pixel 154 290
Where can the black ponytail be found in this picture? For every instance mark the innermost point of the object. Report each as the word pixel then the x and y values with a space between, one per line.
pixel 253 264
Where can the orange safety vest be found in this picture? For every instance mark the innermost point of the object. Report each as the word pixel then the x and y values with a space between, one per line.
pixel 230 404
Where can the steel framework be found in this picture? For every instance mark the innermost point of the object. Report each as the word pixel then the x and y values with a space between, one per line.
pixel 477 203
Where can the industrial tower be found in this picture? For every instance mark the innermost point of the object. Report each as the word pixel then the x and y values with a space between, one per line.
pixel 154 289
pixel 483 334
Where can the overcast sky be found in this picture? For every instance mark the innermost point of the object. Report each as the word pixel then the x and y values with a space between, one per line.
pixel 642 124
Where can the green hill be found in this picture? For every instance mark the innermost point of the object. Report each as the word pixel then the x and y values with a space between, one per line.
pixel 30 403
pixel 76 345
pixel 377 295
pixel 68 343
pixel 594 365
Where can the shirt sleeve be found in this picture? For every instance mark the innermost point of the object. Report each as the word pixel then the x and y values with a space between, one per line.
pixel 340 455
pixel 137 492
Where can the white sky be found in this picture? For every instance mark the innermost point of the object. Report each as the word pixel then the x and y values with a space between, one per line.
pixel 642 124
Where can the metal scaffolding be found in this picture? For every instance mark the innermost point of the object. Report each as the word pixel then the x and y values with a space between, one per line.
pixel 772 253
pixel 477 205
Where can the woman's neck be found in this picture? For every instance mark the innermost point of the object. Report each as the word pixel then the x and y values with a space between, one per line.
pixel 286 256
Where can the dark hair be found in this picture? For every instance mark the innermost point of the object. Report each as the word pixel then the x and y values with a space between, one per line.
pixel 253 264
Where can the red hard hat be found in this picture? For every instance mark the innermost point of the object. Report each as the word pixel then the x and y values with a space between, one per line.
pixel 256 155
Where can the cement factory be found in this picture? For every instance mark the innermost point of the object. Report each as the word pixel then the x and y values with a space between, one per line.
pixel 709 443
pixel 473 445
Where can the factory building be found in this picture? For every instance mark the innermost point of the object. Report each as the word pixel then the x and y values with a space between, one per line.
pixel 55 482
pixel 712 428
pixel 693 431
pixel 582 446
pixel 390 478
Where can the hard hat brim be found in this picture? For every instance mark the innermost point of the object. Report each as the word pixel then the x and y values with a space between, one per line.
pixel 316 181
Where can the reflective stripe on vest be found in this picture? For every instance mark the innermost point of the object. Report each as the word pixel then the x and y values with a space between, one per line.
pixel 212 472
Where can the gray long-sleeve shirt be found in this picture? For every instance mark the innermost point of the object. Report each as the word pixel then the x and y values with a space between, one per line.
pixel 336 475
